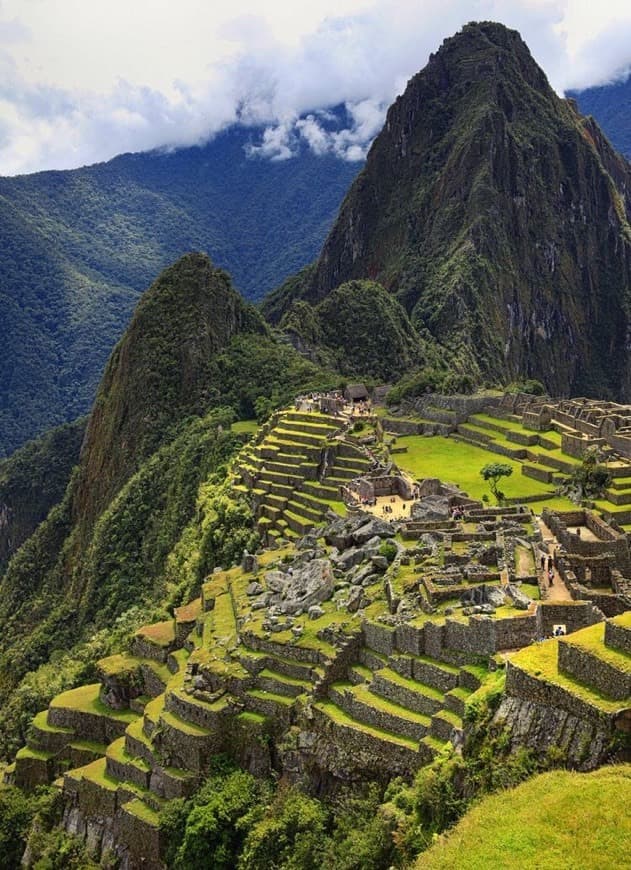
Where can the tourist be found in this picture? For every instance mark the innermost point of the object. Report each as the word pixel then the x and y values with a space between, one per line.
pixel 551 577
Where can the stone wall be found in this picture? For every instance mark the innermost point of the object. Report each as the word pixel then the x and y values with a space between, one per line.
pixel 618 637
pixel 574 615
pixel 515 632
pixel 380 638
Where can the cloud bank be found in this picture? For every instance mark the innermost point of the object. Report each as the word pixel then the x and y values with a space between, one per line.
pixel 81 82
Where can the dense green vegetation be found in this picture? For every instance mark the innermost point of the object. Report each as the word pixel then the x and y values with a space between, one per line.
pixel 79 247
pixel 33 480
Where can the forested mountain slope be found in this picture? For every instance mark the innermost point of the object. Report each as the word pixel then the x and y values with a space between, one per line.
pixel 78 247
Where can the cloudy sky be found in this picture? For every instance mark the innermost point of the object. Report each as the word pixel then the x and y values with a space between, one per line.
pixel 83 80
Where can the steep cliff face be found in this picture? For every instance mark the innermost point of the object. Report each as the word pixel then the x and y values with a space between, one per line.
pixel 159 374
pixel 499 217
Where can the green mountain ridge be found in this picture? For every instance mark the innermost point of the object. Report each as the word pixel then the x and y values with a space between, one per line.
pixel 159 428
pixel 79 247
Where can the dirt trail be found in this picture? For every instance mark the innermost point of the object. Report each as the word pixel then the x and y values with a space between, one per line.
pixel 558 590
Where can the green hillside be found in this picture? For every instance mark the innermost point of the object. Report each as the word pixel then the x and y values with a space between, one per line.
pixel 556 820
pixel 79 247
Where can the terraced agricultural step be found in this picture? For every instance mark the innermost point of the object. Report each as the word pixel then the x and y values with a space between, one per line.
pixel 373 660
pixel 618 633
pixel 456 700
pixel 354 463
pixel 280 684
pixel 82 710
pixel 274 478
pixel 338 473
pixel 367 707
pixel 584 656
pixel 255 661
pixel 268 511
pixel 82 752
pixel 320 490
pixel 538 665
pixel 271 704
pixel 335 482
pixel 499 427
pixel 273 446
pixel 276 501
pixel 120 764
pixel 34 767
pixel 407 692
pixel 306 499
pixel 473 432
pixel 49 738
pixel 436 675
pixel 360 674
pixel 386 738
pixel 298 523
pixel 295 436
pixel 445 723
pixel 301 510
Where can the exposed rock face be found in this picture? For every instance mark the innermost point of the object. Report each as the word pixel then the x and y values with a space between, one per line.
pixel 499 217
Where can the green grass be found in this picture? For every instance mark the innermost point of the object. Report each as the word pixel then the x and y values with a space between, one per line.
pixel 160 633
pixel 557 820
pixel 245 427
pixel 592 640
pixel 96 772
pixel 140 809
pixel 40 721
pixel 86 699
pixel 458 462
pixel 29 752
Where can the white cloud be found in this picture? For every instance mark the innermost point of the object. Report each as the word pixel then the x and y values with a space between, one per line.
pixel 80 82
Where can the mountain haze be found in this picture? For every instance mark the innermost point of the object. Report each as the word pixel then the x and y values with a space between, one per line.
pixel 78 247
pixel 499 217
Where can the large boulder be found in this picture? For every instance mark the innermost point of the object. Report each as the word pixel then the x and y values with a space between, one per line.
pixel 373 528
pixel 433 507
pixel 307 585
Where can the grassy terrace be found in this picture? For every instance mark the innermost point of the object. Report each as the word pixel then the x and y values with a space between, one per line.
pixel 86 700
pixel 337 715
pixel 160 633
pixel 458 462
pixel 245 427
pixel 541 661
pixel 592 640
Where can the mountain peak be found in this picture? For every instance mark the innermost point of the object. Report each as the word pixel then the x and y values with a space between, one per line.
pixel 481 205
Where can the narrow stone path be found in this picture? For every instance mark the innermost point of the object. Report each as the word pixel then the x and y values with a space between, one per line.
pixel 558 590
